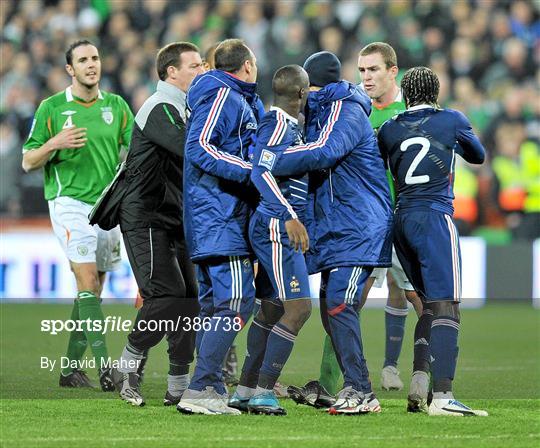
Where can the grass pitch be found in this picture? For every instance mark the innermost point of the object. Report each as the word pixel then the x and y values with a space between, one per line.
pixel 498 370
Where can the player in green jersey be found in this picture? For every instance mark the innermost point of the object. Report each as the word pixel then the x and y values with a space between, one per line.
pixel 76 137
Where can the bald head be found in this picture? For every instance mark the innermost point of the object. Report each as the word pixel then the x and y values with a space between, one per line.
pixel 288 81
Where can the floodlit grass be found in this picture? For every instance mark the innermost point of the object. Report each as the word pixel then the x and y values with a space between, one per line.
pixel 498 370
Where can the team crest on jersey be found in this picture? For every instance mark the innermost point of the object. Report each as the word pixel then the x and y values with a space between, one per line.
pixel 267 159
pixel 107 115
pixel 82 250
pixel 294 285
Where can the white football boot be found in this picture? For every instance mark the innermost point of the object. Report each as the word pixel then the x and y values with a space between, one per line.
pixel 453 408
pixel 207 402
pixel 418 392
pixel 390 379
pixel 373 403
pixel 349 401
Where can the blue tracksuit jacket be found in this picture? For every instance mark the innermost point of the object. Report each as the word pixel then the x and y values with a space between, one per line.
pixel 217 198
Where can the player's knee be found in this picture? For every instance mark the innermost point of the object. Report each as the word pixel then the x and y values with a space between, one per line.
pixel 445 309
pixel 269 313
pixel 303 311
pixel 88 280
pixel 296 314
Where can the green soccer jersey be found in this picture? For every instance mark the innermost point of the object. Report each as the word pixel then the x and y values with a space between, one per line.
pixel 81 173
pixel 377 118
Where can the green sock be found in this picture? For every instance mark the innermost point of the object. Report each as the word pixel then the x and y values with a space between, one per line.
pixel 330 371
pixel 77 341
pixel 90 308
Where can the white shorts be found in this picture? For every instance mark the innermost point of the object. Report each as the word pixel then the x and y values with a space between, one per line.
pixel 397 272
pixel 81 242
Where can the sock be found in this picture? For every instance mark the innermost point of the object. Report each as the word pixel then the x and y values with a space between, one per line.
pixel 422 335
pixel 176 384
pixel 177 368
pixel 245 392
pixel 443 395
pixel 77 341
pixel 256 346
pixel 444 350
pixel 130 360
pixel 330 371
pixel 262 390
pixel 395 329
pixel 90 308
pixel 278 349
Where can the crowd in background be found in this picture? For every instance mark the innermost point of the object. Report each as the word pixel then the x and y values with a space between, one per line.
pixel 485 52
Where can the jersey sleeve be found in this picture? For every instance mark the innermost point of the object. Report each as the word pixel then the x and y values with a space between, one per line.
pixel 40 132
pixel 165 128
pixel 336 140
pixel 470 147
pixel 210 126
pixel 264 157
pixel 127 125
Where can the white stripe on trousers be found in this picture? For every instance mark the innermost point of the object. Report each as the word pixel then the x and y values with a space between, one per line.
pixel 277 256
pixel 236 283
pixel 456 271
pixel 353 285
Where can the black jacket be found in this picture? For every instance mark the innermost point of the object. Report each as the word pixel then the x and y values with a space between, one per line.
pixel 153 196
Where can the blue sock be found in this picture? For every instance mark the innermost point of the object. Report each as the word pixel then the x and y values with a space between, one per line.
pixel 444 349
pixel 214 345
pixel 395 329
pixel 278 349
pixel 256 346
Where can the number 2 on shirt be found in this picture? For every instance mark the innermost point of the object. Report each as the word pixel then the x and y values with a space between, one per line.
pixel 410 179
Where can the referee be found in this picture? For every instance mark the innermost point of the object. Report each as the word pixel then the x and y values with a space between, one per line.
pixel 151 224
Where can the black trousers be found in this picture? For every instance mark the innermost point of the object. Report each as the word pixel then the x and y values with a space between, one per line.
pixel 168 286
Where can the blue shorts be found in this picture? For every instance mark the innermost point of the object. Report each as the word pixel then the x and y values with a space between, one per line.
pixel 226 285
pixel 427 245
pixel 286 269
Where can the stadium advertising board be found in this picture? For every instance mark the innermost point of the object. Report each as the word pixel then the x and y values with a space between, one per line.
pixel 33 268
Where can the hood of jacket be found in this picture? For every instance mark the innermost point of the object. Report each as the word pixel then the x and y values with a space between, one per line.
pixel 206 85
pixel 335 91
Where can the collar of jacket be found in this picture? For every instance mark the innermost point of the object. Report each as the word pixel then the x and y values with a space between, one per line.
pixel 177 96
pixel 342 90
pixel 206 85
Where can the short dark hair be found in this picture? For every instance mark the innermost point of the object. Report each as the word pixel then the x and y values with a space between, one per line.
pixel 209 56
pixel 78 43
pixel 288 81
pixel 387 52
pixel 420 85
pixel 170 55
pixel 231 54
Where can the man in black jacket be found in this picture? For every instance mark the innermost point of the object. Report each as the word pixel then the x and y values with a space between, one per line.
pixel 151 223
